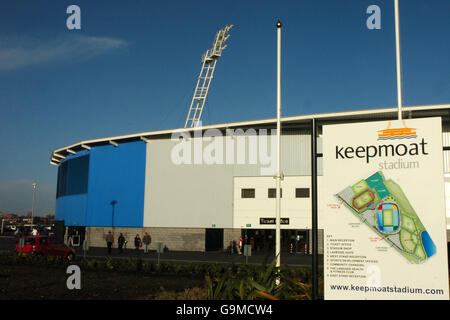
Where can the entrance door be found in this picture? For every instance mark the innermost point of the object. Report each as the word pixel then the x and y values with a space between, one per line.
pixel 294 241
pixel 78 235
pixel 213 239
pixel 58 230
pixel 259 239
pixel 301 244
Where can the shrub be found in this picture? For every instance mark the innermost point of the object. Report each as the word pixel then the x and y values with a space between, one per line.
pixel 223 281
pixel 259 282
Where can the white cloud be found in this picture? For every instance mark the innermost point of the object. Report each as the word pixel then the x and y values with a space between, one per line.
pixel 18 52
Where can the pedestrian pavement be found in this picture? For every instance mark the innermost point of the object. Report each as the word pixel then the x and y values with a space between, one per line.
pixel 258 257
pixel 294 259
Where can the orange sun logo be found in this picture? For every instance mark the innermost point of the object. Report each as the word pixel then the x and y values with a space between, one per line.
pixel 397 133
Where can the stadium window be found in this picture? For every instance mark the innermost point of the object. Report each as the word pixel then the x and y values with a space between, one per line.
pixel 302 192
pixel 62 180
pixel 247 193
pixel 73 176
pixel 272 193
pixel 78 175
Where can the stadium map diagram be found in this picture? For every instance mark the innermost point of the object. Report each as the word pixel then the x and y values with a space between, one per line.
pixel 383 206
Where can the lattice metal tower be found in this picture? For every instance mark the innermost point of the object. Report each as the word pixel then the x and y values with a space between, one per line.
pixel 209 60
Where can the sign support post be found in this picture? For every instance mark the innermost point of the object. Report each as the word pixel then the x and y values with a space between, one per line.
pixel 398 60
pixel 315 242
pixel 159 250
pixel 85 247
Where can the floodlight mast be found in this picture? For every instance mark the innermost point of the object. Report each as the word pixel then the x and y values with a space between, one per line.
pixel 209 60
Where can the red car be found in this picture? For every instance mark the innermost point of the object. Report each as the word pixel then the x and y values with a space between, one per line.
pixel 42 245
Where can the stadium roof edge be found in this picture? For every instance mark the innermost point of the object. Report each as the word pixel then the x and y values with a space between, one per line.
pixel 61 153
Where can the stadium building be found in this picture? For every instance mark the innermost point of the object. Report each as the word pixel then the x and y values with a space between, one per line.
pixel 200 188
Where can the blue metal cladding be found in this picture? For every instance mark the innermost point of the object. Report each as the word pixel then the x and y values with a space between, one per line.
pixel 116 185
pixel 72 209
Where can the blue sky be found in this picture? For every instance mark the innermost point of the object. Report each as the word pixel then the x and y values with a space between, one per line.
pixel 133 66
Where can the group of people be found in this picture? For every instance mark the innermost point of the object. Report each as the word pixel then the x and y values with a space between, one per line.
pixel 121 242
pixel 236 246
pixel 29 231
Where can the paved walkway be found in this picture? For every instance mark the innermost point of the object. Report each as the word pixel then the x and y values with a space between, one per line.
pixel 296 259
pixel 194 256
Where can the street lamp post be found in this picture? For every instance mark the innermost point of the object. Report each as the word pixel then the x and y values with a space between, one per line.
pixel 34 199
pixel 278 191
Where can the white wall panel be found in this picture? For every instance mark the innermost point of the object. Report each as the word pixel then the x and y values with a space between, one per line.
pixel 248 211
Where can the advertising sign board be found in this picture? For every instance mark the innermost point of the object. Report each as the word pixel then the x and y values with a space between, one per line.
pixel 384 211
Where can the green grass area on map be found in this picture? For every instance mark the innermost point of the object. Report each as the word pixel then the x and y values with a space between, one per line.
pixel 411 226
pixel 360 187
pixel 388 191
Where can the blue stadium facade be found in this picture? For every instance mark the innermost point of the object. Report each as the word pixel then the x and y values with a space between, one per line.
pixel 103 186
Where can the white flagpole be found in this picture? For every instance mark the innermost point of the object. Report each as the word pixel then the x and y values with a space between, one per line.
pixel 398 59
pixel 278 202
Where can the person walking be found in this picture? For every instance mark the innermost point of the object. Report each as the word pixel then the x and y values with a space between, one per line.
pixel 240 245
pixel 137 242
pixel 120 242
pixel 109 241
pixel 147 239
